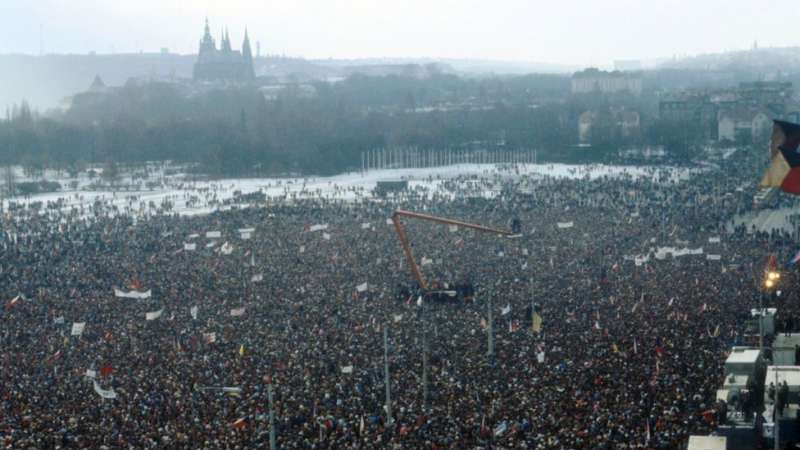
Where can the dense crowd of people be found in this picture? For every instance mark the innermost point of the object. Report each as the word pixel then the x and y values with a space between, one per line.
pixel 629 354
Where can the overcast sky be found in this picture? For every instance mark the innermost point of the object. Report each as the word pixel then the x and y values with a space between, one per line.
pixel 580 32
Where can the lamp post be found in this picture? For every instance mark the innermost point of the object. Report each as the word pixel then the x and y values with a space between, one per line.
pixel 771 278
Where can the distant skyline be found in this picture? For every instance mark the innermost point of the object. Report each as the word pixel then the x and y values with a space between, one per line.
pixel 580 32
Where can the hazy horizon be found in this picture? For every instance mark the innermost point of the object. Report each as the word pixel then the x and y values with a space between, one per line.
pixel 584 33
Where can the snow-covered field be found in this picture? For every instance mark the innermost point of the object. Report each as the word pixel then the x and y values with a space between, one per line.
pixel 189 197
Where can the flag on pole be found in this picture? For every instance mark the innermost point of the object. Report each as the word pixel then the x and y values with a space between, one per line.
pixel 505 310
pixel 77 328
pixel 536 323
pixel 794 259
pixel 784 168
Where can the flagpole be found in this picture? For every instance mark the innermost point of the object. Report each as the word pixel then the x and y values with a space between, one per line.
pixel 424 356
pixel 272 445
pixel 490 329
pixel 387 378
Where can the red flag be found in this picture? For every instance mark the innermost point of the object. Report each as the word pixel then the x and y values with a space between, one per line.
pixel 135 284
pixel 240 423
pixel 106 371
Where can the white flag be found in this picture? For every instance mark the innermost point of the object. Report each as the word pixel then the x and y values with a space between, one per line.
pixel 318 227
pixel 540 357
pixel 362 287
pixel 302 249
pixel 190 247
pixel 211 244
pixel 210 338
pixel 90 373
pixel 246 230
pixel 226 249
pixel 525 251
pixel 154 314
pixel 246 236
pixel 426 261
pixel 193 311
pixel 565 224
pixel 77 328
pixel 326 236
pixel 389 222
pixel 105 393
pixel 711 257
pixel 453 228
pixel 214 234
pixel 365 226
pixel 58 320
pixel 237 312
pixel 505 310
pixel 347 369
pixel 192 236
pixel 257 277
pixel 398 317
pixel 714 240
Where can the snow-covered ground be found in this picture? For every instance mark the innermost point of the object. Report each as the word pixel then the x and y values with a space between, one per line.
pixel 200 197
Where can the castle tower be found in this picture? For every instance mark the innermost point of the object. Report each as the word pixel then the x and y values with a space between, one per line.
pixel 247 56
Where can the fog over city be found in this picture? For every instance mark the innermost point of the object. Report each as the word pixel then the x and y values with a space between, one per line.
pixel 577 33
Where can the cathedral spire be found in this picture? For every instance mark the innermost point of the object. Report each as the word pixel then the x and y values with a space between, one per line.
pixel 247 56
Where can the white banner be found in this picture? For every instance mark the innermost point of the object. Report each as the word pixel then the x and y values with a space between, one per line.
pixel 452 228
pixel 326 236
pixel 192 236
pixel 713 257
pixel 105 393
pixel 540 357
pixel 525 251
pixel 214 234
pixel 565 224
pixel 714 240
pixel 190 247
pixel 662 252
pixel 246 236
pixel 389 222
pixel 256 278
pixel 347 369
pixel 362 287
pixel 237 312
pixel 193 311
pixel 318 227
pixel 154 314
pixel 132 294
pixel 398 317
pixel 426 261
pixel 639 260
pixel 77 328
pixel 58 320
pixel 247 230
pixel 302 249
pixel 365 226
pixel 90 373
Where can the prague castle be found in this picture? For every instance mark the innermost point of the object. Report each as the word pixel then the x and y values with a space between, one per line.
pixel 223 63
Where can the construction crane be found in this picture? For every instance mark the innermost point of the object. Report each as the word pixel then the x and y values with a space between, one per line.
pixel 401 233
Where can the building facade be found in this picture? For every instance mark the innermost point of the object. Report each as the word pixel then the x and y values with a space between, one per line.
pixel 223 63
pixel 594 80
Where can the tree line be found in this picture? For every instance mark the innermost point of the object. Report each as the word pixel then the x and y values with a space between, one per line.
pixel 320 128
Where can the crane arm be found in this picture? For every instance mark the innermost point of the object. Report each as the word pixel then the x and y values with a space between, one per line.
pixel 401 233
